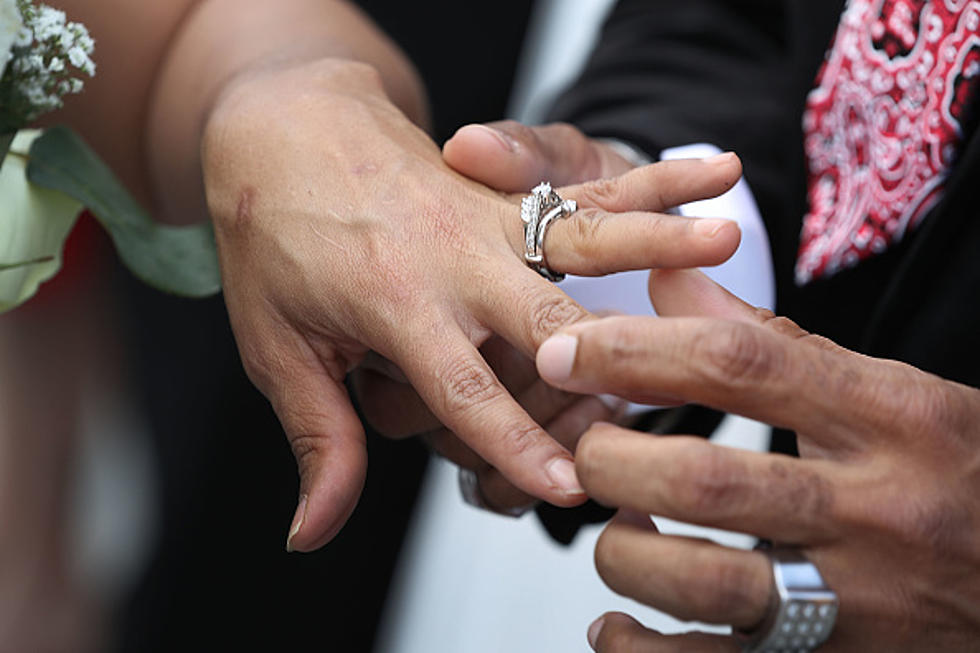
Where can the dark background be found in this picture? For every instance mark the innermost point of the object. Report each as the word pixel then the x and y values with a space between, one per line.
pixel 219 575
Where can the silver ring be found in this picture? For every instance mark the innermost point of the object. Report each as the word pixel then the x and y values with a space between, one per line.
pixel 538 210
pixel 469 487
pixel 802 609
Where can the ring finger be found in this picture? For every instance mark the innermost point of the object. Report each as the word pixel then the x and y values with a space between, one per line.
pixel 620 225
pixel 691 579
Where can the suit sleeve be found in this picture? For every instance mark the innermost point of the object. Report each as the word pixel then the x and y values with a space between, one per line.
pixel 669 73
pixel 733 73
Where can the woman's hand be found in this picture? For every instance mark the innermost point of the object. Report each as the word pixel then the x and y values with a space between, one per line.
pixel 394 409
pixel 506 156
pixel 342 231
pixel 885 500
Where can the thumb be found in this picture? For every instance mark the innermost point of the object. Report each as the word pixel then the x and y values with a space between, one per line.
pixel 327 439
pixel 512 157
pixel 691 293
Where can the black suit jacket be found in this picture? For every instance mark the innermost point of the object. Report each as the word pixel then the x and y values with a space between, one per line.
pixel 736 73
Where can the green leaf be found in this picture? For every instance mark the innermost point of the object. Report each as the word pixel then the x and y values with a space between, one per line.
pixel 24 264
pixel 180 260
pixel 34 223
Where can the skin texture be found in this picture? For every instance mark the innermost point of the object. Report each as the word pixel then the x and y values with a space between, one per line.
pixel 299 129
pixel 386 396
pixel 884 499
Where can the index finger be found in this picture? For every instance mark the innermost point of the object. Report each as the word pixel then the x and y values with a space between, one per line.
pixel 830 394
pixel 464 394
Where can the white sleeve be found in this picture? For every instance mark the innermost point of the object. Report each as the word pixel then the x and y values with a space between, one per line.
pixel 748 273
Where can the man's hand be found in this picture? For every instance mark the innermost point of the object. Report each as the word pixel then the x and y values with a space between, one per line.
pixel 341 231
pixel 885 500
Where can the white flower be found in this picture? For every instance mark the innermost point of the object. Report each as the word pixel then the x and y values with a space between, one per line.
pixel 49 24
pixel 48 55
pixel 24 37
pixel 11 25
pixel 77 56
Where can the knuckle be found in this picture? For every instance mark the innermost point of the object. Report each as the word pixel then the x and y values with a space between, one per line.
pixel 907 401
pixel 734 354
pixel 564 131
pixel 520 439
pixel 619 340
pixel 784 326
pixel 551 313
pixel 518 130
pixel 804 492
pixel 766 316
pixel 585 229
pixel 590 455
pixel 931 407
pixel 465 385
pixel 704 480
pixel 820 342
pixel 778 323
pixel 306 449
pixel 962 405
pixel 927 521
pixel 602 192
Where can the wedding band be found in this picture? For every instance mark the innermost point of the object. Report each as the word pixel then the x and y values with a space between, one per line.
pixel 469 487
pixel 802 609
pixel 538 210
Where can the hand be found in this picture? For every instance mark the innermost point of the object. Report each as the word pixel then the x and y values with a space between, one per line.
pixel 394 409
pixel 507 156
pixel 885 500
pixel 512 157
pixel 341 231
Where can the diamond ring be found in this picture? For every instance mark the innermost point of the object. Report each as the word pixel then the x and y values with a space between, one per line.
pixel 538 210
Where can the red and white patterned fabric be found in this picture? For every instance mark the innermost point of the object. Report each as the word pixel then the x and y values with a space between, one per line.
pixel 883 125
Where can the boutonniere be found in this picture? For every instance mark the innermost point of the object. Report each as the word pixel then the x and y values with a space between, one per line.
pixel 48 176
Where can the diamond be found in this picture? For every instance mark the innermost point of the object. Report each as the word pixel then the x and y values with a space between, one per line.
pixel 544 188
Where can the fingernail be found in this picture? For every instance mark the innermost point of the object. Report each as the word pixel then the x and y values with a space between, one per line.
pixel 556 357
pixel 594 631
pixel 709 228
pixel 612 402
pixel 298 519
pixel 718 159
pixel 561 471
pixel 504 139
